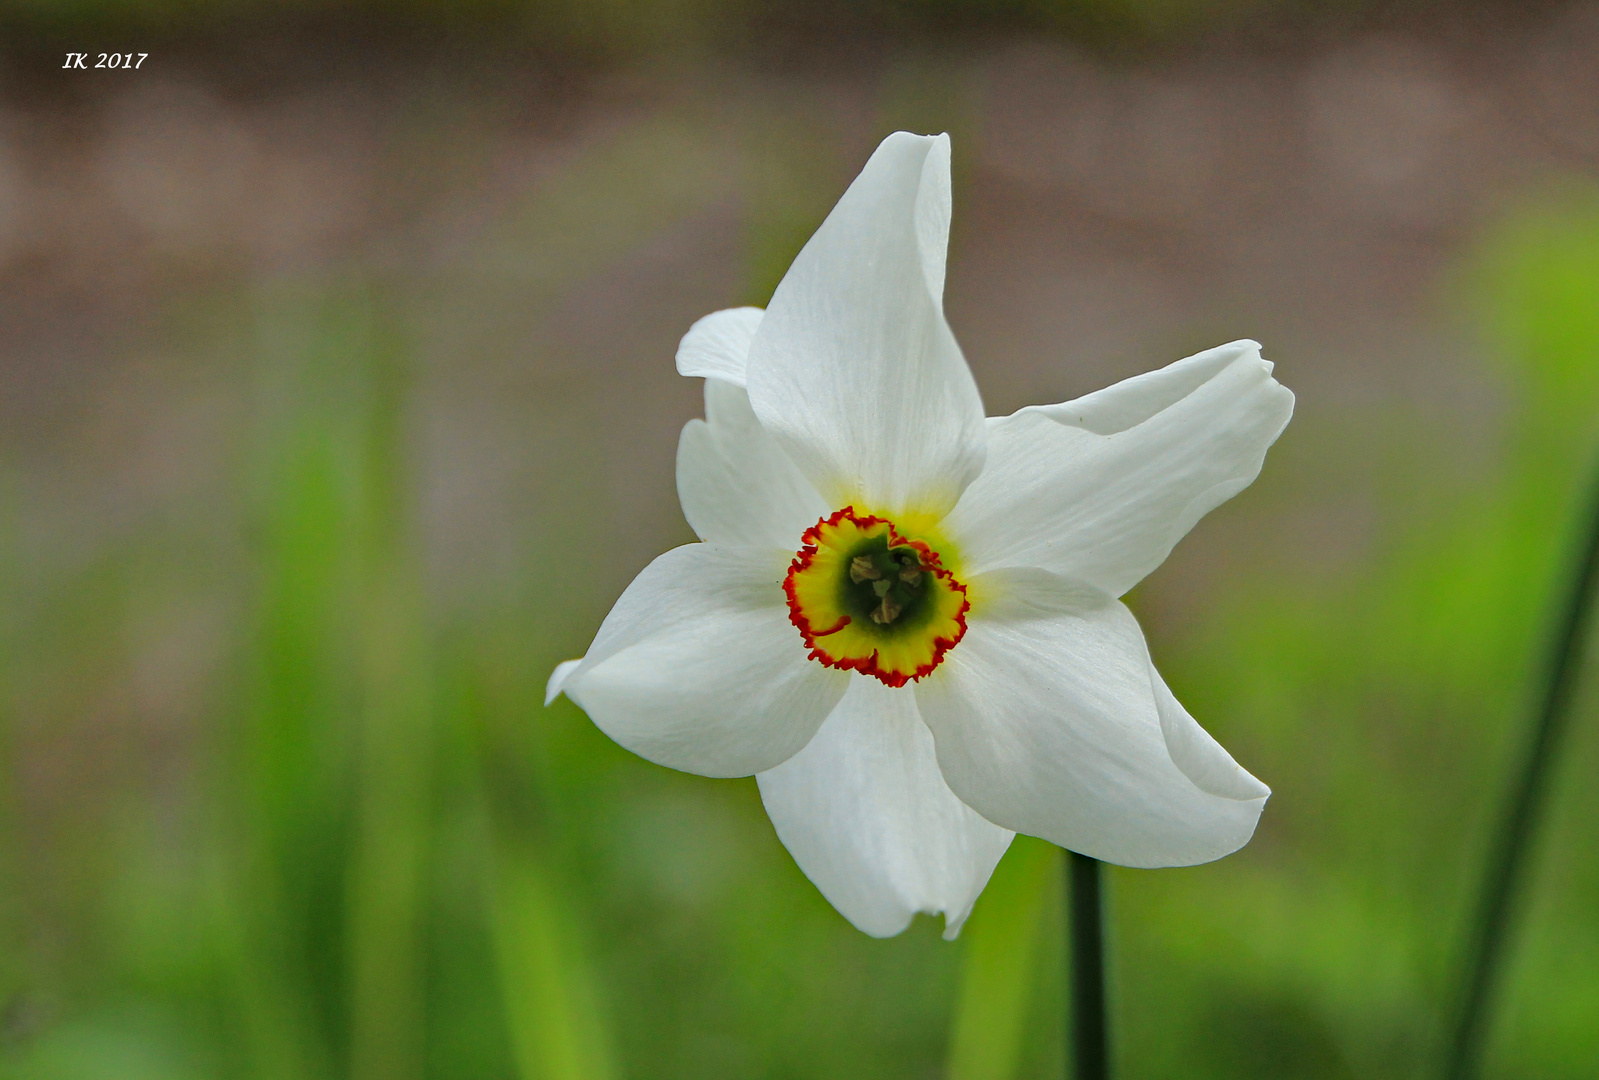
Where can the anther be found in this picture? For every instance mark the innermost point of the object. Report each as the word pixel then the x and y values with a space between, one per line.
pixel 886 612
pixel 862 568
pixel 911 575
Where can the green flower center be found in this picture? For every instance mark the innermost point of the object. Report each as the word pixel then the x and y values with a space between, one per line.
pixel 885 585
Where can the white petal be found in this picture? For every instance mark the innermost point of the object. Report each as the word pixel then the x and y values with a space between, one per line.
pixel 558 677
pixel 1132 401
pixel 1101 488
pixel 1197 754
pixel 736 484
pixel 1049 721
pixel 854 369
pixel 867 816
pixel 697 666
pixel 718 345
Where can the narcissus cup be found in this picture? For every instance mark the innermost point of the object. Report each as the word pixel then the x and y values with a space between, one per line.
pixel 903 617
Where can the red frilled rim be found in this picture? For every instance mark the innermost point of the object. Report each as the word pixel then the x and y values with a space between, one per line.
pixel 810 541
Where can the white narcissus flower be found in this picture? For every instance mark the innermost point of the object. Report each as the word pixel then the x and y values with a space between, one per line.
pixel 903 617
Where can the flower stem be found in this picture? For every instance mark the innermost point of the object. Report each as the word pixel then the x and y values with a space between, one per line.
pixel 1526 799
pixel 1090 1044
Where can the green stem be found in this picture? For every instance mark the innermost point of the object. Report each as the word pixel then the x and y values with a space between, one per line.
pixel 1526 799
pixel 1090 1044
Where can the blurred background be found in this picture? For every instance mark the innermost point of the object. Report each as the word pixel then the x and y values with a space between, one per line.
pixel 337 405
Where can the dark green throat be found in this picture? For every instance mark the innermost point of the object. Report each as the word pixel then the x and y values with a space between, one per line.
pixel 886 588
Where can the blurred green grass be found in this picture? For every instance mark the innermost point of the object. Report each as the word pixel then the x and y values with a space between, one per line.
pixel 370 852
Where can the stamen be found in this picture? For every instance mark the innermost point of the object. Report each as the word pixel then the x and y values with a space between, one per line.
pixel 886 612
pixel 862 568
pixel 911 575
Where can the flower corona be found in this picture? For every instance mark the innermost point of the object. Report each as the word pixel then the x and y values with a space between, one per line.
pixel 867 599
